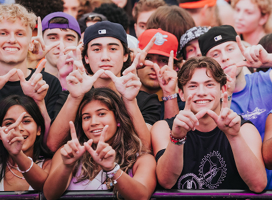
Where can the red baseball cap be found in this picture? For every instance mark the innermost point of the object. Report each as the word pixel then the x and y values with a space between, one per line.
pixel 165 42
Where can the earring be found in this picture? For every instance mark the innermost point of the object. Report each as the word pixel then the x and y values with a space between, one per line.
pixel 118 124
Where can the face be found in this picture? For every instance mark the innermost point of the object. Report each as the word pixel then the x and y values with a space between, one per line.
pixel 140 26
pixel 192 49
pixel 71 7
pixel 15 38
pixel 248 17
pixel 106 53
pixel 67 37
pixel 28 127
pixel 205 91
pixel 148 75
pixel 227 55
pixel 95 116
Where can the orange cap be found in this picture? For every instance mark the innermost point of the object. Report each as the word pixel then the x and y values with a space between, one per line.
pixel 197 4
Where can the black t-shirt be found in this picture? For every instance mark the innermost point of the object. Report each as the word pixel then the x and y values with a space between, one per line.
pixel 149 105
pixel 208 161
pixel 11 88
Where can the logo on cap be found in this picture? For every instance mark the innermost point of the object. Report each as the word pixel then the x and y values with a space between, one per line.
pixel 217 38
pixel 160 39
pixel 103 31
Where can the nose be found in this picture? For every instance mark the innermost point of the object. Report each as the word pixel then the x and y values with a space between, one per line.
pixel 12 38
pixel 21 127
pixel 238 15
pixel 105 55
pixel 225 56
pixel 201 90
pixel 94 121
pixel 198 53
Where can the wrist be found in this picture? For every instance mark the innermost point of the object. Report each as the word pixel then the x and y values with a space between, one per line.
pixel 178 140
pixel 112 170
pixel 170 97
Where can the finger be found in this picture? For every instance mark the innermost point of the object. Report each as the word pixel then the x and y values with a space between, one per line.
pixel 104 151
pixel 253 50
pixel 236 120
pixel 61 49
pixel 132 67
pixel 40 33
pixel 189 120
pixel 43 88
pixel 171 59
pixel 111 75
pixel 16 139
pixel 240 44
pixel 225 100
pixel 150 44
pixel 225 112
pixel 201 114
pixel 51 46
pixel 157 69
pixel 99 73
pixel 73 131
pixel 135 84
pixel 17 122
pixel 103 134
pixel 188 103
pixel 36 79
pixel 40 67
pixel 229 118
pixel 242 64
pixel 68 150
pixel 73 145
pixel 21 75
pixel 213 115
pixel 10 73
pixel 69 48
pixel 78 53
pixel 109 154
pixel 88 147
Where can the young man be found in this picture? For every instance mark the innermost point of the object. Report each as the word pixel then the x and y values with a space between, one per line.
pixel 71 7
pixel 105 57
pixel 207 145
pixel 142 11
pixel 160 77
pixel 16 31
pixel 63 28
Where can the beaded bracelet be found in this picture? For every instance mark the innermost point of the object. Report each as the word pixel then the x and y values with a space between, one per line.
pixel 172 96
pixel 177 141
pixel 28 168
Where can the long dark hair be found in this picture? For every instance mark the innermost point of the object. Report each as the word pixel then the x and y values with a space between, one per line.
pixel 126 143
pixel 32 108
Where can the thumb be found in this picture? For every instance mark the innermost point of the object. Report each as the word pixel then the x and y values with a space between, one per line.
pixel 21 76
pixel 213 115
pixel 10 73
pixel 88 147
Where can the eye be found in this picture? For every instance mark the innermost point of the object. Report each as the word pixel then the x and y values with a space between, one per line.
pixel 52 38
pixel 86 118
pixel 215 55
pixel 7 124
pixel 210 84
pixel 70 39
pixel 20 34
pixel 26 121
pixel 165 61
pixel 2 33
pixel 148 58
pixel 101 114
pixel 113 49
pixel 192 86
pixel 230 49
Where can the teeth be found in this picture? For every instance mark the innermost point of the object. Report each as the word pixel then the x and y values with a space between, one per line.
pixel 25 137
pixel 202 102
pixel 11 49
pixel 96 131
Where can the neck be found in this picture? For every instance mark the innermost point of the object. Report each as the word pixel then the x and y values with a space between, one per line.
pixel 51 69
pixel 150 91
pixel 6 67
pixel 240 83
pixel 206 124
pixel 105 82
pixel 254 37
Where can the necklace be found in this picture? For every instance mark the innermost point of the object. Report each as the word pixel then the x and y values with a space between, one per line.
pixel 13 172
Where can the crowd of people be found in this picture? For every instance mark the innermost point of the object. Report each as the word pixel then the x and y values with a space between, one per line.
pixel 135 96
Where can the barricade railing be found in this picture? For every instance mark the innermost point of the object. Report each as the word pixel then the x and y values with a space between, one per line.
pixel 159 194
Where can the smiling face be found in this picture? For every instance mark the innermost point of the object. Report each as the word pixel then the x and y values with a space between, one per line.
pixel 106 53
pixel 227 55
pixel 205 91
pixel 95 116
pixel 28 127
pixel 15 38
pixel 67 37
pixel 248 17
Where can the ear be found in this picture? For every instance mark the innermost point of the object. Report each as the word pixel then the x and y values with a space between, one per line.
pixel 223 89
pixel 38 131
pixel 181 95
pixel 86 59
pixel 263 20
pixel 125 58
pixel 204 10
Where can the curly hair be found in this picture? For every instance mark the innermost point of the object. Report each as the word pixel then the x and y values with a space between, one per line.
pixel 40 8
pixel 12 12
pixel 187 70
pixel 126 143
pixel 114 14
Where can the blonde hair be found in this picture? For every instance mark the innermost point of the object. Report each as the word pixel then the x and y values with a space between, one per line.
pixel 265 7
pixel 12 12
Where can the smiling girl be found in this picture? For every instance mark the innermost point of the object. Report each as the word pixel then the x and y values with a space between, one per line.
pixel 22 156
pixel 104 152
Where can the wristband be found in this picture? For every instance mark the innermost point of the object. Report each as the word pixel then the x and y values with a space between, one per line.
pixel 172 96
pixel 28 168
pixel 111 173
pixel 177 141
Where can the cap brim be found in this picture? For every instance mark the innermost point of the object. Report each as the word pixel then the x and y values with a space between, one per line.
pixel 153 51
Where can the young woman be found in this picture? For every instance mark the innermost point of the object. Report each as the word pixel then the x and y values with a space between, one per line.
pixel 252 19
pixel 104 152
pixel 22 158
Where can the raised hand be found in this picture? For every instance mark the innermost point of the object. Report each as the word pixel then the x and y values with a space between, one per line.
pixel 186 120
pixel 228 121
pixel 38 49
pixel 72 151
pixel 11 137
pixel 255 55
pixel 167 76
pixel 104 155
pixel 78 82
pixel 129 84
pixel 5 78
pixel 35 87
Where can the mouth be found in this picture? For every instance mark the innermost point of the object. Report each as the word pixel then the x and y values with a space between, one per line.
pixel 106 67
pixel 25 137
pixel 96 132
pixel 11 49
pixel 152 75
pixel 201 102
pixel 228 66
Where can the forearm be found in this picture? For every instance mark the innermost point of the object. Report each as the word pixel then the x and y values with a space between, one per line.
pixel 248 164
pixel 170 165
pixel 36 176
pixel 63 82
pixel 59 130
pixel 266 151
pixel 171 108
pixel 138 122
pixel 47 119
pixel 57 181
